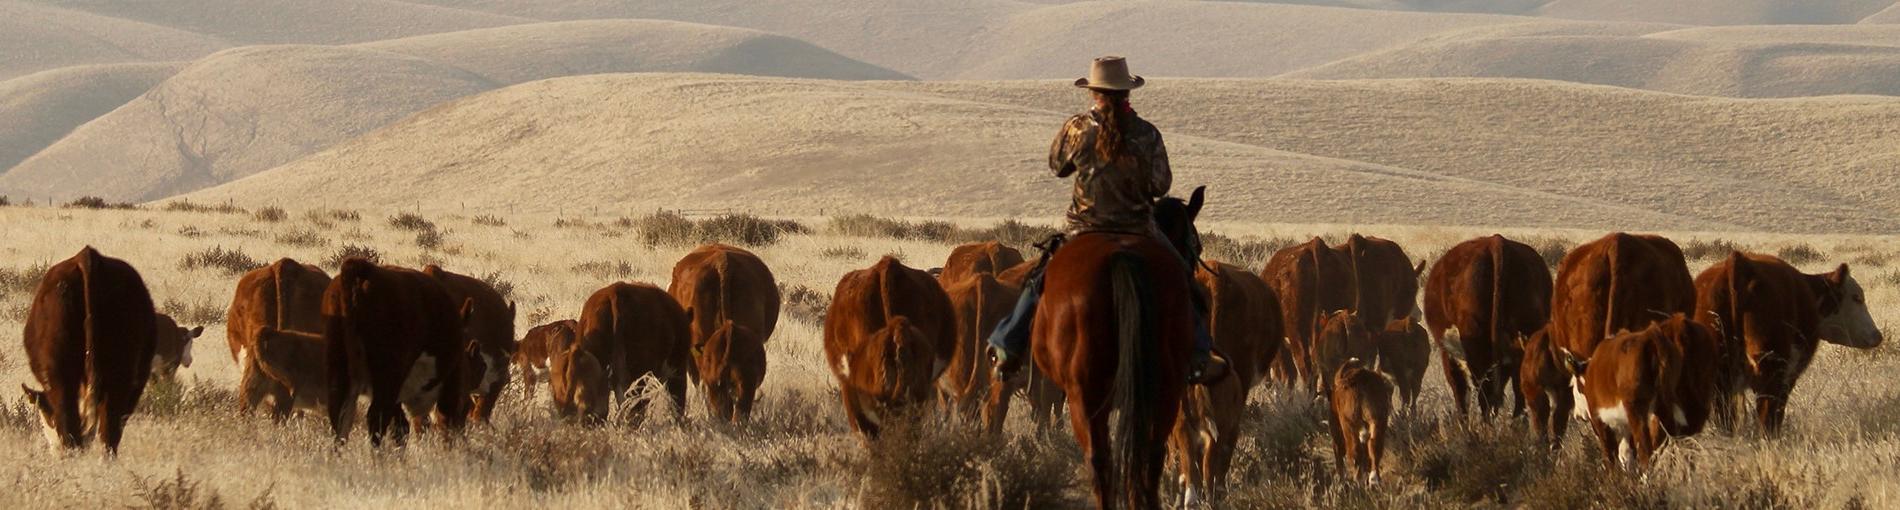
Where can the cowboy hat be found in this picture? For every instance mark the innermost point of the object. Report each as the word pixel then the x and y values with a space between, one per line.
pixel 1110 73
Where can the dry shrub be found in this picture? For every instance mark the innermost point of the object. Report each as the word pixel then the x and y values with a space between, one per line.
pixel 666 228
pixel 1799 254
pixel 409 221
pixel 302 238
pixel 1473 463
pixel 182 205
pixel 865 225
pixel 842 253
pixel 548 460
pixel 1248 253
pixel 804 304
pixel 19 415
pixel 539 315
pixel 920 464
pixel 1016 234
pixel 23 280
pixel 1580 481
pixel 501 285
pixel 489 220
pixel 1879 417
pixel 216 257
pixel 4 202
pixel 190 232
pixel 92 202
pixel 351 251
pixel 241 232
pixel 1551 247
pixel 1699 249
pixel 271 214
pixel 175 398
pixel 1874 259
pixel 429 239
pixel 202 312
pixel 604 269
pixel 180 492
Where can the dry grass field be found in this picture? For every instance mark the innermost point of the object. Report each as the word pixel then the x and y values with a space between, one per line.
pixel 189 448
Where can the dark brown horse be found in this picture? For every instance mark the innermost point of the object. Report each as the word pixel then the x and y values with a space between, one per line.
pixel 1114 330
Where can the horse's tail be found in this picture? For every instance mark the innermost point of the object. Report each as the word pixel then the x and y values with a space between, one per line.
pixel 1136 377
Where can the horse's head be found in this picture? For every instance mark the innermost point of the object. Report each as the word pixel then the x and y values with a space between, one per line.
pixel 1176 217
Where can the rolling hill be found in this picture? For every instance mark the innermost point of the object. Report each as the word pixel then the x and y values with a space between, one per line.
pixel 1301 152
pixel 292 21
pixel 44 107
pixel 249 109
pixel 36 38
pixel 1718 12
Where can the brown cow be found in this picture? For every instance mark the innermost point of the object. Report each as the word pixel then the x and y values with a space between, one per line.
pixel 296 360
pixel 399 329
pixel 731 365
pixel 1361 401
pixel 1384 280
pixel 539 346
pixel 1616 283
pixel 88 340
pixel 285 295
pixel 1545 387
pixel 889 333
pixel 1405 350
pixel 172 348
pixel 1482 298
pixel 1342 336
pixel 1045 399
pixel 1310 280
pixel 978 258
pixel 725 288
pixel 1772 318
pixel 491 331
pixel 627 332
pixel 1244 316
pixel 979 302
pixel 1639 391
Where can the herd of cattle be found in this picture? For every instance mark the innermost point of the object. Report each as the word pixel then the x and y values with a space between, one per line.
pixel 1652 352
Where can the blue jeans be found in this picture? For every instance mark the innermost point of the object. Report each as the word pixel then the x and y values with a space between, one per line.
pixel 1012 334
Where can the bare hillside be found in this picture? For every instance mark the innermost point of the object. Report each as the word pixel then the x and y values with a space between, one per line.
pixel 293 21
pixel 233 114
pixel 36 38
pixel 522 53
pixel 43 107
pixel 1718 12
pixel 250 109
pixel 1769 164
pixel 1735 69
pixel 629 143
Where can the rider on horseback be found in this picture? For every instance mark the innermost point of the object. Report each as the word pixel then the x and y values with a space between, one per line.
pixel 1120 168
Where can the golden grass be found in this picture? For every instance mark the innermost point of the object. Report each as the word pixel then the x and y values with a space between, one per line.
pixel 188 443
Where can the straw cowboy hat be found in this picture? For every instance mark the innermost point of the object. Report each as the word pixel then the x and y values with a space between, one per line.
pixel 1110 73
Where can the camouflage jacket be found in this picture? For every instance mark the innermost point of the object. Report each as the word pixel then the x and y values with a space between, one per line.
pixel 1113 196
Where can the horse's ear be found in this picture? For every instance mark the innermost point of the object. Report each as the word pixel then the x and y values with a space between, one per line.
pixel 1196 200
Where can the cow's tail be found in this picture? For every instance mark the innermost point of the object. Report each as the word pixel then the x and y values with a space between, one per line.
pixel 1609 299
pixel 1734 328
pixel 975 345
pixel 1136 377
pixel 723 267
pixel 89 263
pixel 1310 317
pixel 886 287
pixel 1498 267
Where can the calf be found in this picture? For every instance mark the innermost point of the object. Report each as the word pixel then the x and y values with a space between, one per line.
pixel 1772 318
pixel 1342 337
pixel 399 329
pixel 88 340
pixel 888 335
pixel 722 286
pixel 295 360
pixel 172 348
pixel 627 332
pixel 542 343
pixel 1638 391
pixel 731 365
pixel 285 295
pixel 1405 350
pixel 1545 387
pixel 1244 319
pixel 1361 401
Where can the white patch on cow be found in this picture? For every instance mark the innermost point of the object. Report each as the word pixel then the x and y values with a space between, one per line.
pixel 1615 416
pixel 1372 479
pixel 1626 453
pixel 844 365
pixel 49 432
pixel 1454 344
pixel 1190 497
pixel 185 359
pixel 1576 394
pixel 1681 417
